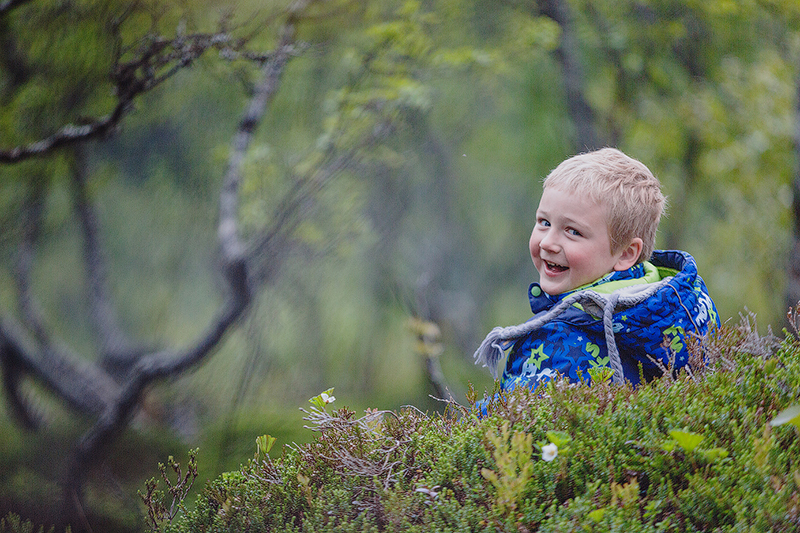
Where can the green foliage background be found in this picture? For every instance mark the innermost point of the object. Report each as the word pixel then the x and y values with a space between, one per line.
pixel 434 225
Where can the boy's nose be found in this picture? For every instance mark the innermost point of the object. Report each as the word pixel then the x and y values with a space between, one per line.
pixel 549 243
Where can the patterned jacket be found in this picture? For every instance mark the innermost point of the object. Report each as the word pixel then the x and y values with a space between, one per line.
pixel 625 320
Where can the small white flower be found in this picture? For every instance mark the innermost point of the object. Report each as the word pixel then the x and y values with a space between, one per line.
pixel 327 398
pixel 549 452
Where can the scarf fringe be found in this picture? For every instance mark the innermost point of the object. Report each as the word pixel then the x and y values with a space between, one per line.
pixel 491 351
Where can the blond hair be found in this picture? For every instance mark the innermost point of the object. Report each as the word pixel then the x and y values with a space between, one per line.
pixel 627 189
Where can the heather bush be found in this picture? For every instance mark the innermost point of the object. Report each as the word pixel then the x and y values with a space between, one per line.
pixel 699 450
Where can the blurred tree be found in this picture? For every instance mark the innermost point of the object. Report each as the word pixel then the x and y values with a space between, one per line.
pixel 70 62
pixel 112 387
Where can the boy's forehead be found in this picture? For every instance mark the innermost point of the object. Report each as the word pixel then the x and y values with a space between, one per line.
pixel 578 194
pixel 571 205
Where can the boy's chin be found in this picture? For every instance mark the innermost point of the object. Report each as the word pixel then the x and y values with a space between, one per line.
pixel 553 288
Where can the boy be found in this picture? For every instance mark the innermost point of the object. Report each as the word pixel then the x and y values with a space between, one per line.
pixel 604 297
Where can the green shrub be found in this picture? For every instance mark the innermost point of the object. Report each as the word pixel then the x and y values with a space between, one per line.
pixel 692 452
pixel 12 523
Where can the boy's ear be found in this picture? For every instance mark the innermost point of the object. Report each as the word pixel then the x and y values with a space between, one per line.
pixel 630 255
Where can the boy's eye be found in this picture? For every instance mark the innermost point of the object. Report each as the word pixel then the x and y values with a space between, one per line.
pixel 574 232
pixel 544 222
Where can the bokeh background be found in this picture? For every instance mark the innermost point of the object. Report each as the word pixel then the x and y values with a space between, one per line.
pixel 406 258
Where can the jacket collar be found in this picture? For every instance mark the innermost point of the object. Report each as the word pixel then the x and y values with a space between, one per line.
pixel 640 273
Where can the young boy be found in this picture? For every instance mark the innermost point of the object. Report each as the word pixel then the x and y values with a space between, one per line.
pixel 605 298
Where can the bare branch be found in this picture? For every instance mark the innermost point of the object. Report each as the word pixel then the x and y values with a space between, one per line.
pixel 230 242
pixel 231 247
pixel 156 60
pixel 26 251
pixel 12 374
pixel 117 351
pixel 69 134
pixel 79 383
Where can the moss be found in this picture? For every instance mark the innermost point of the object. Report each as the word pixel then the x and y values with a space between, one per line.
pixel 692 452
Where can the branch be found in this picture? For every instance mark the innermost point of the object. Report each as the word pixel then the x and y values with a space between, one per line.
pixel 155 61
pixel 232 249
pixel 117 351
pixel 80 384
pixel 31 226
pixel 12 374
pixel 69 134
pixel 231 246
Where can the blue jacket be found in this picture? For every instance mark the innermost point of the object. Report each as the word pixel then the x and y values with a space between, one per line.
pixel 652 309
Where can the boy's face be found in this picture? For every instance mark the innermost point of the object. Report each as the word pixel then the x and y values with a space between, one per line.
pixel 570 245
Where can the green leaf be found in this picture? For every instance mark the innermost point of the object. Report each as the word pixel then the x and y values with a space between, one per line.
pixel 790 415
pixel 601 374
pixel 264 444
pixel 597 514
pixel 559 438
pixel 686 439
pixel 715 454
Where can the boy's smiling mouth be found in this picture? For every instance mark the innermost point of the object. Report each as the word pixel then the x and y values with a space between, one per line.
pixel 555 268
